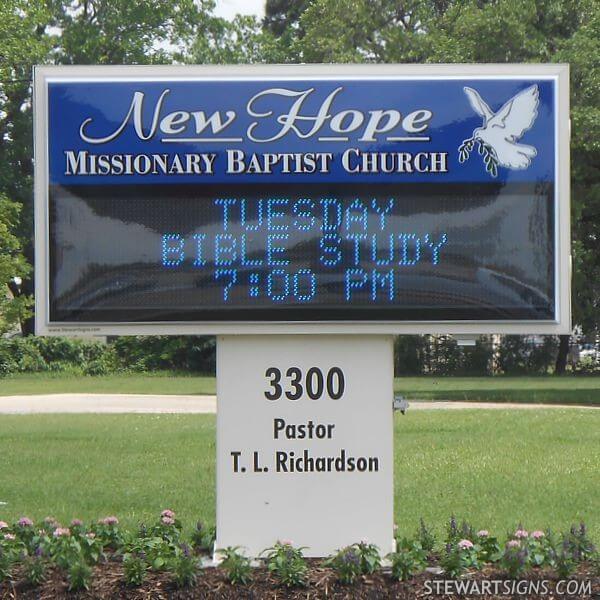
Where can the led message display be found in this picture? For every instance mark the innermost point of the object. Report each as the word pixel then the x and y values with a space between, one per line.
pixel 301 253
pixel 301 199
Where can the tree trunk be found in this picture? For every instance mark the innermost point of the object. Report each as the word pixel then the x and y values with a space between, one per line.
pixel 561 357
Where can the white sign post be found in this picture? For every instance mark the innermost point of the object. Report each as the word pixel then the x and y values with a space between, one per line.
pixel 304 442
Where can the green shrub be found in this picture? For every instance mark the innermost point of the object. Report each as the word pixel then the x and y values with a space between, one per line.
pixel 236 565
pixel 79 575
pixel 459 557
pixel 189 353
pixel 34 569
pixel 203 538
pixel 515 559
pixel 38 354
pixel 346 564
pixel 566 560
pixel 287 564
pixel 134 568
pixel 595 563
pixel 578 541
pixel 425 536
pixel 370 560
pixel 410 556
pixel 405 564
pixel 184 568
pixel 6 562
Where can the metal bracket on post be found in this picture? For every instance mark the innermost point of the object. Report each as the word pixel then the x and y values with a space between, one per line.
pixel 400 403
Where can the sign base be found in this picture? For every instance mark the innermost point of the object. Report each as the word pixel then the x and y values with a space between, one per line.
pixel 304 442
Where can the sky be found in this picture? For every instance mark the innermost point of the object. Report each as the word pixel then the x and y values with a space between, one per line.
pixel 229 8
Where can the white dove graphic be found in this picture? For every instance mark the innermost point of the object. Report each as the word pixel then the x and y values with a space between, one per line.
pixel 498 137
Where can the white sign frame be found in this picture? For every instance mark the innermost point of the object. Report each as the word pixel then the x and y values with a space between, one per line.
pixel 559 74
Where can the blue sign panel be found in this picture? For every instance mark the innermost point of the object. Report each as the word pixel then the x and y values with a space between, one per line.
pixel 302 199
pixel 301 131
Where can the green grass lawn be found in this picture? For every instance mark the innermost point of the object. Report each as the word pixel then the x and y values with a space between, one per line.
pixel 567 390
pixel 549 389
pixel 495 468
pixel 161 382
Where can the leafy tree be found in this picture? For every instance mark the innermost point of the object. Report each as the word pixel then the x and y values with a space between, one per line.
pixel 365 31
pixel 282 15
pixel 582 51
pixel 12 265
pixel 125 32
pixel 242 40
pixel 24 43
pixel 76 32
pixel 491 31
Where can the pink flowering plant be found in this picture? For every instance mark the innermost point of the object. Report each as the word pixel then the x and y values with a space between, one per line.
pixel 108 533
pixel 49 524
pixel 11 545
pixel 159 545
pixel 25 530
pixel 515 558
pixel 540 546
pixel 459 557
pixel 488 547
pixel 67 547
pixel 11 548
pixel 168 527
pixel 455 533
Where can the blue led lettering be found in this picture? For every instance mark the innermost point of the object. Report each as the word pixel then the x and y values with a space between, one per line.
pixel 356 238
pixel 405 239
pixel 354 279
pixel 435 248
pixel 312 285
pixel 384 261
pixel 172 249
pixel 331 253
pixel 356 213
pixel 273 214
pixel 199 261
pixel 225 245
pixel 253 290
pixel 332 215
pixel 306 214
pixel 274 249
pixel 225 203
pixel 382 211
pixel 278 277
pixel 231 274
pixel 273 240
pixel 246 221
pixel 382 280
pixel 255 262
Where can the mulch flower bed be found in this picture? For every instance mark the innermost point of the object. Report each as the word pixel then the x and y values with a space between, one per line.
pixel 108 582
pixel 46 561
